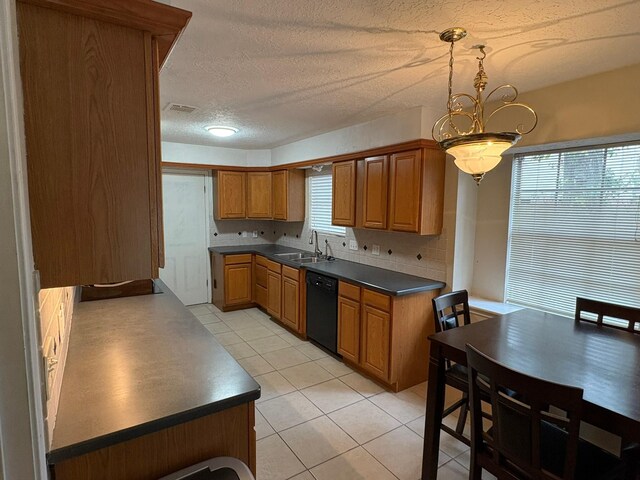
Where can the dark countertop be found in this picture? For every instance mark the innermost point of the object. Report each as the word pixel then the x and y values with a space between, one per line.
pixel 137 365
pixel 374 278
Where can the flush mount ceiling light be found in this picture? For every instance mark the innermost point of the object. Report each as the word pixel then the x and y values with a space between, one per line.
pixel 221 131
pixel 461 131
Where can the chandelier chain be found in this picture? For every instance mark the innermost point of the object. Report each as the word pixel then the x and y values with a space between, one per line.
pixel 449 105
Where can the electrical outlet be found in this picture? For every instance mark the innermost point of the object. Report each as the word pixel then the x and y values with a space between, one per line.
pixel 375 249
pixel 353 245
pixel 244 234
pixel 255 234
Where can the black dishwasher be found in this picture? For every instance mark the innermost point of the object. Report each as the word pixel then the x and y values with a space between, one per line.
pixel 322 310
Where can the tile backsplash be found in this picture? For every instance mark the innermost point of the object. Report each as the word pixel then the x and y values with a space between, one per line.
pixel 423 256
pixel 55 311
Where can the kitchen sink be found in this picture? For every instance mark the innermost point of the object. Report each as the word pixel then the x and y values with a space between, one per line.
pixel 301 257
pixel 295 255
pixel 310 260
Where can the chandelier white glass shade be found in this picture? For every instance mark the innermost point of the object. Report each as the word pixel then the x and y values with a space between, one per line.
pixel 461 131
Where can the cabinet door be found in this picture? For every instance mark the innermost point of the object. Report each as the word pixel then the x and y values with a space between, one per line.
pixel 343 205
pixel 290 303
pixel 261 282
pixel 280 196
pixel 376 179
pixel 231 195
pixel 376 342
pixel 259 195
pixel 274 299
pixel 237 284
pixel 405 191
pixel 90 141
pixel 349 329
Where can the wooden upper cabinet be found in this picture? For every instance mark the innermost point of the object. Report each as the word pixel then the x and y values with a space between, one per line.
pixel 259 195
pixel 230 192
pixel 343 205
pixel 89 74
pixel 289 195
pixel 374 197
pixel 405 192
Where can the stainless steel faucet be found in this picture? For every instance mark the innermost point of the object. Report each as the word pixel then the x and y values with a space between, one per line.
pixel 317 251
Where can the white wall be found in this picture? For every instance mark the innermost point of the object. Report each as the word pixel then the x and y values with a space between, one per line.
pixel 207 155
pixel 22 445
pixel 602 107
pixel 401 127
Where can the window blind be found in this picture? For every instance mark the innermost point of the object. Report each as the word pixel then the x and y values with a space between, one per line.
pixel 575 228
pixel 320 198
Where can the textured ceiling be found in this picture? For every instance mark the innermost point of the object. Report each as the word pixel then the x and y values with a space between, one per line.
pixel 281 70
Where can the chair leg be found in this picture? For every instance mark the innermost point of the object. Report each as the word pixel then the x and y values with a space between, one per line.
pixel 475 470
pixel 462 418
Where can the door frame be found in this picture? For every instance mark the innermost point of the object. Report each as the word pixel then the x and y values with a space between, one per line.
pixel 208 209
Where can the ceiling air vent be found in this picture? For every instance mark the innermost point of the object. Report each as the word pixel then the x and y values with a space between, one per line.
pixel 177 107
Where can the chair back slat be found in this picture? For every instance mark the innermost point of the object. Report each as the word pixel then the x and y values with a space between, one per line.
pixel 521 426
pixel 622 317
pixel 451 310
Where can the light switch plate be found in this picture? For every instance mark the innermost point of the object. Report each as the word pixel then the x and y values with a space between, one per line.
pixel 244 234
pixel 353 245
pixel 255 234
pixel 375 249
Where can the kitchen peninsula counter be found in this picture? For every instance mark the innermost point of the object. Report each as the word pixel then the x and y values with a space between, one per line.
pixel 142 367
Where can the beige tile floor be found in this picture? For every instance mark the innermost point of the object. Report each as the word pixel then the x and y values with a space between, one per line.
pixel 317 419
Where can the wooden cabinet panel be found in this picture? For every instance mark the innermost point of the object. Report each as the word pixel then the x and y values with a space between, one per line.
pixel 349 291
pixel 291 303
pixel 349 329
pixel 261 283
pixel 274 292
pixel 237 284
pixel 405 196
pixel 289 195
pixel 343 208
pixel 239 258
pixel 292 273
pixel 377 300
pixel 376 179
pixel 376 342
pixel 166 451
pixel 280 194
pixel 230 195
pixel 91 157
pixel 259 195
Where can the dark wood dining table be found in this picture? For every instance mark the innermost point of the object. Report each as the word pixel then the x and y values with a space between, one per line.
pixel 604 362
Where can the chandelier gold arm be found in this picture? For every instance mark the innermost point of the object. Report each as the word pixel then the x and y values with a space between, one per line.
pixel 519 128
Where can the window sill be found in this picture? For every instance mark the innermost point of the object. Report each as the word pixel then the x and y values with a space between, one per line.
pixel 491 307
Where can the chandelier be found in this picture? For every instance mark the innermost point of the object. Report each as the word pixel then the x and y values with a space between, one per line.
pixel 461 131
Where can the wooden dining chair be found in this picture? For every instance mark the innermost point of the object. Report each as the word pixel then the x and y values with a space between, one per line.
pixel 450 311
pixel 525 440
pixel 618 316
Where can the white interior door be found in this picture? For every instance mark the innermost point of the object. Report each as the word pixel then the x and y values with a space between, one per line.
pixel 185 236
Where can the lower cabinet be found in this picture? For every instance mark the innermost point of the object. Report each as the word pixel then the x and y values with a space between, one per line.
pixel 168 450
pixel 291 298
pixel 232 281
pixel 261 275
pixel 385 336
pixel 349 329
pixel 274 294
pixel 376 341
